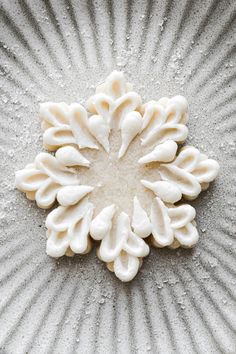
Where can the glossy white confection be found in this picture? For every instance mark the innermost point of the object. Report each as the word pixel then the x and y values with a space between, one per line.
pixel 68 227
pixel 140 220
pixel 130 127
pixel 164 152
pixel 190 171
pixel 65 124
pixel 165 120
pixel 168 192
pixel 71 195
pixel 114 106
pixel 115 109
pixel 122 248
pixel 70 156
pixel 173 223
pixel 42 180
pixel 102 223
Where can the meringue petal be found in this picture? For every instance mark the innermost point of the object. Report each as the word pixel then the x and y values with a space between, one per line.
pixel 164 152
pixel 161 223
pixel 49 165
pixel 206 171
pixel 46 194
pixel 70 156
pixel 113 242
pixel 71 195
pixel 181 215
pixel 140 221
pixel 186 182
pixel 126 266
pixel 167 191
pixel 57 243
pixel 79 232
pixel 100 129
pixel 79 126
pixel 102 223
pixel 130 127
pixel 187 235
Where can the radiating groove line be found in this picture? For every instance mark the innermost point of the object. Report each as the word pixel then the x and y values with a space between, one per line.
pixel 64 42
pixel 129 9
pixel 219 113
pixel 94 28
pixel 15 59
pixel 17 84
pixel 58 334
pixel 176 36
pixel 20 286
pixel 59 330
pixel 219 282
pixel 21 263
pixel 205 82
pixel 227 232
pixel 54 22
pixel 37 30
pixel 165 315
pixel 182 319
pixel 225 248
pixel 114 322
pixel 20 36
pixel 161 33
pixel 197 310
pixel 218 241
pixel 213 302
pixel 225 28
pixel 216 96
pixel 15 249
pixel 131 319
pixel 46 313
pixel 111 27
pixel 205 319
pixel 13 328
pixel 167 318
pixel 77 31
pixel 221 244
pixel 95 334
pixel 148 12
pixel 210 94
pixel 175 333
pixel 29 306
pixel 222 103
pixel 157 312
pixel 203 23
pixel 223 264
pixel 82 311
pixel 151 332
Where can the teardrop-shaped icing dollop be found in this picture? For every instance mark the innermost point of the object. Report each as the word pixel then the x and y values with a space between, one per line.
pixel 167 191
pixel 71 195
pixel 164 152
pixel 130 127
pixel 100 129
pixel 70 156
pixel 140 220
pixel 102 223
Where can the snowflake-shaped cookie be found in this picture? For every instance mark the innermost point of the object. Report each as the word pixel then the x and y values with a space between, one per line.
pixel 93 190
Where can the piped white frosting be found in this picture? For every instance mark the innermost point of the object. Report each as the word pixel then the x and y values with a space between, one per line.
pixel 121 237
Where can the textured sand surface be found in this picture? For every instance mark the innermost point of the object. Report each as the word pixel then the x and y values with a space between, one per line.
pixel 182 301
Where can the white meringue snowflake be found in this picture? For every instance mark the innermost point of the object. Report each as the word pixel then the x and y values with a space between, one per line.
pixel 115 110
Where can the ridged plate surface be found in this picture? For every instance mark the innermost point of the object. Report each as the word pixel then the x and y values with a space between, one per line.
pixel 181 301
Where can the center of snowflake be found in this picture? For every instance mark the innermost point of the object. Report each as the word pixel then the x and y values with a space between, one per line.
pixel 118 181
